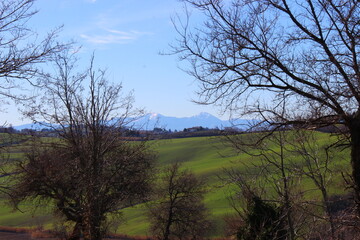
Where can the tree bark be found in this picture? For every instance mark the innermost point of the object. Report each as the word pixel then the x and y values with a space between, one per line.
pixel 168 224
pixel 287 201
pixel 355 158
pixel 91 228
pixel 76 233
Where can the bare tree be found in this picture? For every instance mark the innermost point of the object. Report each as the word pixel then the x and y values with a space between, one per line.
pixel 180 212
pixel 317 162
pixel 293 170
pixel 20 51
pixel 268 178
pixel 91 171
pixel 303 52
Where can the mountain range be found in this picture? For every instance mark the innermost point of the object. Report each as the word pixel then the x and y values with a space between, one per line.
pixel 156 120
pixel 206 120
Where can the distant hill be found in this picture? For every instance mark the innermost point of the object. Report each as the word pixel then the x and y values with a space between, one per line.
pixel 156 120
pixel 34 126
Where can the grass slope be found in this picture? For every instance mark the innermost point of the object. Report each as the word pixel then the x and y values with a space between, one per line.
pixel 206 157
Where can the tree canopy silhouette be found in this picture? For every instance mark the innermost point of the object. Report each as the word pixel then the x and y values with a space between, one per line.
pixel 92 170
pixel 292 62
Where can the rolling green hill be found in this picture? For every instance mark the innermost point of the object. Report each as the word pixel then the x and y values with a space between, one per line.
pixel 206 157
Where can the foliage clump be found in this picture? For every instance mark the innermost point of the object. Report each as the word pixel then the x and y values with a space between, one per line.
pixel 262 221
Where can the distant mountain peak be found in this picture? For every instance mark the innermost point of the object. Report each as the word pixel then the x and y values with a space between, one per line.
pixel 204 115
pixel 203 119
pixel 153 115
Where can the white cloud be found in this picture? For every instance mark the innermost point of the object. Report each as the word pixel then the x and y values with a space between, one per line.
pixel 113 37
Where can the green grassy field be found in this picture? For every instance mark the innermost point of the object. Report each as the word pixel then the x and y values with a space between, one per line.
pixel 206 157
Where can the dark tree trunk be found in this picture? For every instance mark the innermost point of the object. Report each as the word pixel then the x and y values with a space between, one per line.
pixel 355 158
pixel 76 233
pixel 91 228
pixel 168 224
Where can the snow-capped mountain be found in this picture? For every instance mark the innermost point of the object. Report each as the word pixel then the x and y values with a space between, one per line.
pixel 203 119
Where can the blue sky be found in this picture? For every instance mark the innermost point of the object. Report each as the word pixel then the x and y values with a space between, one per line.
pixel 127 37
